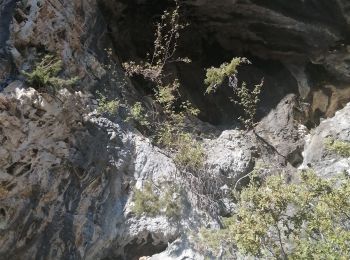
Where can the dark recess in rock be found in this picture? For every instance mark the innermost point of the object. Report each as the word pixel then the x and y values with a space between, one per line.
pixel 7 68
pixel 135 250
pixel 272 34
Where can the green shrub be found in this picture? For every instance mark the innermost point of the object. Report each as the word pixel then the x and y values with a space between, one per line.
pixel 246 98
pixel 45 74
pixel 168 123
pixel 190 154
pixel 165 45
pixel 104 106
pixel 148 202
pixel 339 147
pixel 138 114
pixel 216 76
pixel 279 220
pixel 166 92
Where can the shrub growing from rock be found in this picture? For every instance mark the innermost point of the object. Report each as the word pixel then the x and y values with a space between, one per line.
pixel 246 98
pixel 138 115
pixel 168 122
pixel 339 147
pixel 279 220
pixel 107 106
pixel 166 202
pixel 45 75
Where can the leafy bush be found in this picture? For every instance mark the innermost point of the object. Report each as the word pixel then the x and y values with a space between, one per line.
pixel 148 202
pixel 190 154
pixel 165 45
pixel 138 114
pixel 45 74
pixel 246 98
pixel 104 106
pixel 339 147
pixel 216 76
pixel 279 220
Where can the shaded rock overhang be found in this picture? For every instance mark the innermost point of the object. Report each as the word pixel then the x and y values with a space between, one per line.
pixel 297 46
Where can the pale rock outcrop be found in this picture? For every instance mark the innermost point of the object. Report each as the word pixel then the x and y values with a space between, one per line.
pixel 66 180
pixel 179 249
pixel 316 155
pixel 72 30
pixel 283 130
pixel 230 156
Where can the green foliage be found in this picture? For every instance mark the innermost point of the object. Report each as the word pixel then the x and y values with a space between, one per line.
pixel 339 147
pixel 138 114
pixel 149 203
pixel 45 74
pixel 216 76
pixel 165 45
pixel 104 106
pixel 246 98
pixel 168 123
pixel 190 154
pixel 279 220
pixel 146 201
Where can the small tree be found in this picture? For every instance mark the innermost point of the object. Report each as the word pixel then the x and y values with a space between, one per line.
pixel 165 45
pixel 246 98
pixel 170 121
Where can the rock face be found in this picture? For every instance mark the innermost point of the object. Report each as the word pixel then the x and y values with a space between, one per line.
pixel 299 29
pixel 73 30
pixel 227 162
pixel 283 130
pixel 316 155
pixel 68 174
pixel 66 181
pixel 309 37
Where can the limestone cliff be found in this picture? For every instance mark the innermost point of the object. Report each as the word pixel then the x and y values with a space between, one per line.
pixel 68 174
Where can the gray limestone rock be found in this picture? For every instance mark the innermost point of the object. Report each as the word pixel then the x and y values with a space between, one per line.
pixel 316 155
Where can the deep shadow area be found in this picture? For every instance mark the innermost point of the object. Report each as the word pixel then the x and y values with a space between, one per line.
pixel 133 39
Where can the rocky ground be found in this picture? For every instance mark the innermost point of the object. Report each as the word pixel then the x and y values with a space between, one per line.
pixel 68 174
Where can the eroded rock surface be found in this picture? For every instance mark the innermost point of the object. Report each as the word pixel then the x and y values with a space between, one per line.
pixel 283 130
pixel 324 161
pixel 67 174
pixel 66 181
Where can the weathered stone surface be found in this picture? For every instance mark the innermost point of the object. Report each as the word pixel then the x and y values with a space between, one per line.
pixel 283 130
pixel 230 156
pixel 72 30
pixel 66 182
pixel 67 176
pixel 316 156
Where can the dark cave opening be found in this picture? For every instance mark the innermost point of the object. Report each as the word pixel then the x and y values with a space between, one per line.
pixel 133 39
